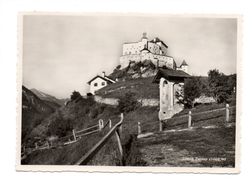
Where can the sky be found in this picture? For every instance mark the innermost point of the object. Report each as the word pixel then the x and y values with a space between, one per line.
pixel 62 53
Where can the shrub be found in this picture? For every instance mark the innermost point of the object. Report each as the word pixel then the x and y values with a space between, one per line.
pixel 75 95
pixel 60 127
pixel 94 112
pixel 118 67
pixel 128 103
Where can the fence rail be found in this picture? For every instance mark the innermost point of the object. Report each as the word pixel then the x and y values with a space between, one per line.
pixel 189 119
pixel 117 130
pixel 69 139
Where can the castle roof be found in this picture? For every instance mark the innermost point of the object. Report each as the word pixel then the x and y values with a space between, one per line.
pixel 156 40
pixel 145 49
pixel 184 63
pixel 106 78
pixel 170 74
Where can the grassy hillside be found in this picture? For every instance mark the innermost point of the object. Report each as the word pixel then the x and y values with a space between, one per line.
pixel 84 113
pixel 200 147
pixel 203 142
pixel 141 87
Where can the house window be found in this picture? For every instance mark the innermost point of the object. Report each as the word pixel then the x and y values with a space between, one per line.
pixel 103 83
pixel 95 84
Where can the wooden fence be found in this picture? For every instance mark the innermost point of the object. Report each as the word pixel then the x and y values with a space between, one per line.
pixel 190 116
pixel 69 139
pixel 117 130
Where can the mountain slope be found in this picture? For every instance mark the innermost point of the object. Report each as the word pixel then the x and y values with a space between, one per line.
pixel 47 97
pixel 34 110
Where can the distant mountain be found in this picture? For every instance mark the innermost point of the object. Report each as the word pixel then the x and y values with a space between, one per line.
pixel 34 110
pixel 47 97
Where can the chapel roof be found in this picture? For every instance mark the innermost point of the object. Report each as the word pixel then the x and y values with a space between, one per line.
pixel 170 74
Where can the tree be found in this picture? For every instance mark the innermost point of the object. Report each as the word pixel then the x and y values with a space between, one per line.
pixel 75 95
pixel 214 81
pixel 192 90
pixel 221 86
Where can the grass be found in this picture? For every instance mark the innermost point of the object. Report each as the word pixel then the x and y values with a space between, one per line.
pixel 142 87
pixel 70 154
pixel 211 118
pixel 194 148
pixel 147 151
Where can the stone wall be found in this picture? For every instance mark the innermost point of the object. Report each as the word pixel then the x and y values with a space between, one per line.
pixel 114 101
pixel 149 102
pixel 108 101
pixel 160 60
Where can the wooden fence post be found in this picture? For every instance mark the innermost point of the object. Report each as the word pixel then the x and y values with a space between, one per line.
pixel 74 135
pixel 189 119
pixel 110 123
pixel 101 125
pixel 227 113
pixel 139 128
pixel 160 126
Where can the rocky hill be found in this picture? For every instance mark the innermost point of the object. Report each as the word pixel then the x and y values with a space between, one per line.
pixel 136 78
pixel 134 70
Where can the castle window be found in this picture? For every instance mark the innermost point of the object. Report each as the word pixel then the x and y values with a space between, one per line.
pixel 95 84
pixel 103 83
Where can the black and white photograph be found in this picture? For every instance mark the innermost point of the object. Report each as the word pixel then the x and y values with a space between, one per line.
pixel 145 92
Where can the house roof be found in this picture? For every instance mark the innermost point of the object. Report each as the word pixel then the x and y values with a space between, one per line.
pixel 183 63
pixel 170 74
pixel 104 78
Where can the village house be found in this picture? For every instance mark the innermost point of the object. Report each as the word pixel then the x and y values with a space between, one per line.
pixel 99 82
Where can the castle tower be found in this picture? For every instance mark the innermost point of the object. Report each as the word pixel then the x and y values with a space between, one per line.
pixel 145 40
pixel 184 66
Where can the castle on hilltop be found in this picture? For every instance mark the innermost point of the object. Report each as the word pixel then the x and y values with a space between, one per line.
pixel 154 50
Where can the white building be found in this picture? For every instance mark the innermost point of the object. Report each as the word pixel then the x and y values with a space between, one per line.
pixel 99 82
pixel 154 50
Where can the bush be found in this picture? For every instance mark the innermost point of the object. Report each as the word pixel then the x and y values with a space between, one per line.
pixel 75 95
pixel 94 112
pixel 60 127
pixel 128 103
